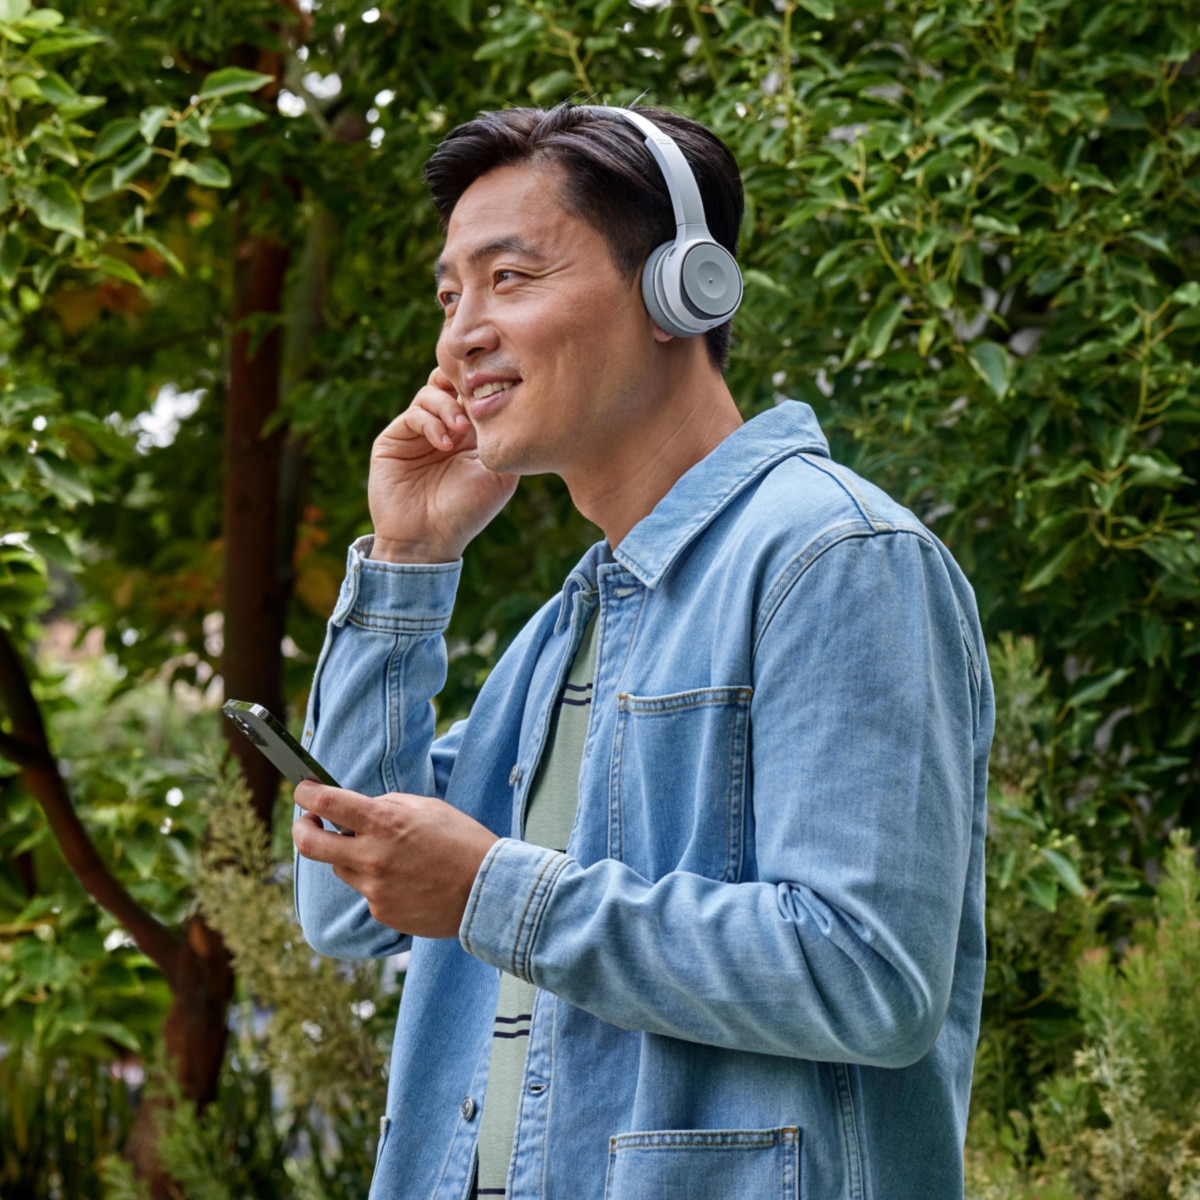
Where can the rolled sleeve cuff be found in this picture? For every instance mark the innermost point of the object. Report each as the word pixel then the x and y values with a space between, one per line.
pixel 415 598
pixel 507 903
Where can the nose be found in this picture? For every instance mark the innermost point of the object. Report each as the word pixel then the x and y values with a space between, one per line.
pixel 469 330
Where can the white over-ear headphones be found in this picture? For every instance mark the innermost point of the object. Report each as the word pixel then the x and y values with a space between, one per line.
pixel 693 284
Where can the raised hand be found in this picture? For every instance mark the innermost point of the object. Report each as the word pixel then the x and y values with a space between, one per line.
pixel 429 494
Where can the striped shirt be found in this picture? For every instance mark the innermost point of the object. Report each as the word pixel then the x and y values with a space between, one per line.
pixel 548 820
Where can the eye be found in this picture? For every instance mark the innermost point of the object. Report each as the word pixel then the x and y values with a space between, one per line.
pixel 505 274
pixel 446 299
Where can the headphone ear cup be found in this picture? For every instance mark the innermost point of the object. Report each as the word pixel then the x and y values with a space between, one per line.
pixel 653 294
pixel 710 282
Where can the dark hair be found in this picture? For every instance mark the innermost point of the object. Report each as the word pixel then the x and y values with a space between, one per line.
pixel 612 182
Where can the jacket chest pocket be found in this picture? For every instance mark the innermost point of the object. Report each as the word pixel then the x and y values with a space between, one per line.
pixel 678 787
pixel 705 1165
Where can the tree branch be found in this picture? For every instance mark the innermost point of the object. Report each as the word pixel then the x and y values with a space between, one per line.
pixel 40 774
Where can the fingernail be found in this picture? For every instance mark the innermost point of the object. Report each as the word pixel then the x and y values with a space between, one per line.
pixel 462 419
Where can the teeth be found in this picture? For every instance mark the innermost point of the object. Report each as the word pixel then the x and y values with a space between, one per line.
pixel 490 389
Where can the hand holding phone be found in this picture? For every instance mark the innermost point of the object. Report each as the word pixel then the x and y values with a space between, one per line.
pixel 271 737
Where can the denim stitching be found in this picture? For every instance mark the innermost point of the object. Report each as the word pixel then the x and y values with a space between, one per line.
pixel 559 862
pixel 480 883
pixel 846 481
pixel 682 701
pixel 616 774
pixel 849 1123
pixel 388 623
pixel 519 939
pixel 737 791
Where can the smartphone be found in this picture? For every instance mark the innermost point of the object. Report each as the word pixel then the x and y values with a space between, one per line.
pixel 270 735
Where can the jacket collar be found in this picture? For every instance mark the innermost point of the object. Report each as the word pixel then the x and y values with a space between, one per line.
pixel 699 495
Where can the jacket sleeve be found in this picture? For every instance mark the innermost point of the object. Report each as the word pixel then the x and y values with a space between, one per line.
pixel 370 723
pixel 866 733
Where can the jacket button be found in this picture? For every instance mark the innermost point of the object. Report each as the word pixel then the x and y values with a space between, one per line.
pixel 467 1108
pixel 514 775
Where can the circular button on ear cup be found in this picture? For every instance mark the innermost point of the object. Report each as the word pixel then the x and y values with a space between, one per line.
pixel 711 282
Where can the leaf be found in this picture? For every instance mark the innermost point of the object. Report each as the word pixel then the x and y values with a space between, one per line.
pixel 12 255
pixel 113 136
pixel 100 183
pixel 460 11
pixel 39 18
pixel 880 326
pixel 56 89
pixel 56 205
pixel 65 39
pixel 192 129
pixel 929 328
pixel 1098 688
pixel 993 365
pixel 1047 568
pixel 115 1032
pixel 13 10
pixel 546 87
pixel 821 9
pixel 151 120
pixel 54 143
pixel 53 549
pixel 1153 470
pixel 210 172
pixel 1064 868
pixel 235 116
pixel 1188 294
pixel 1154 241
pixel 229 81
pixel 43 273
pixel 995 225
pixel 24 87
pixel 129 166
pixel 1042 890
pixel 762 280
pixel 162 250
pixel 64 479
pixel 955 98
pixel 830 259
pixel 118 269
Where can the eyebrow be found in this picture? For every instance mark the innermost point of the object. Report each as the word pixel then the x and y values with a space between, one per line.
pixel 480 253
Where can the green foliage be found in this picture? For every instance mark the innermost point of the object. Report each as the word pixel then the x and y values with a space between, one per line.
pixel 78 1002
pixel 304 1084
pixel 1124 1123
pixel 969 243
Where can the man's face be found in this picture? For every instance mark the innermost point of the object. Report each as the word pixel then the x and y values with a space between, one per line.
pixel 550 350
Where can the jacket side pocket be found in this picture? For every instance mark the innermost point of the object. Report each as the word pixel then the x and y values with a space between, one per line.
pixel 705 1164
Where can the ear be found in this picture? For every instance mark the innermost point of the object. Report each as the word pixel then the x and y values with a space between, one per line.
pixel 661 335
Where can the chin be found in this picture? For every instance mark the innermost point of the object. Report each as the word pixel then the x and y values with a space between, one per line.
pixel 511 459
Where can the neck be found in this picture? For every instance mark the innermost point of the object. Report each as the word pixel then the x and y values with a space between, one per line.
pixel 675 427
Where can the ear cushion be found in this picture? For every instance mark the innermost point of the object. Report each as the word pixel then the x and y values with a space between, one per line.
pixel 652 294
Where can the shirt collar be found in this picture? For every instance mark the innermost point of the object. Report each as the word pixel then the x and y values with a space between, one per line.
pixel 698 496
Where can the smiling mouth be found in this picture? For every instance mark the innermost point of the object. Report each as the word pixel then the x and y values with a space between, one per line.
pixel 488 396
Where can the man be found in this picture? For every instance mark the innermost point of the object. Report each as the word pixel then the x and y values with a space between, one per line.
pixel 697 889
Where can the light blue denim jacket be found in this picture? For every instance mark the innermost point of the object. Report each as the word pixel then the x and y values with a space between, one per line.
pixel 762 953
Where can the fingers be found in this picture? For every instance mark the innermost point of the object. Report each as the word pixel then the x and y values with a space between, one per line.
pixel 342 807
pixel 435 419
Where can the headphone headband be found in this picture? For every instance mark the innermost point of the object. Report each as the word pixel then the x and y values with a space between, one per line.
pixel 680 181
pixel 693 284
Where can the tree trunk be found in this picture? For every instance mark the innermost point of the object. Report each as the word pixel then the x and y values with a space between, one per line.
pixel 256 581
